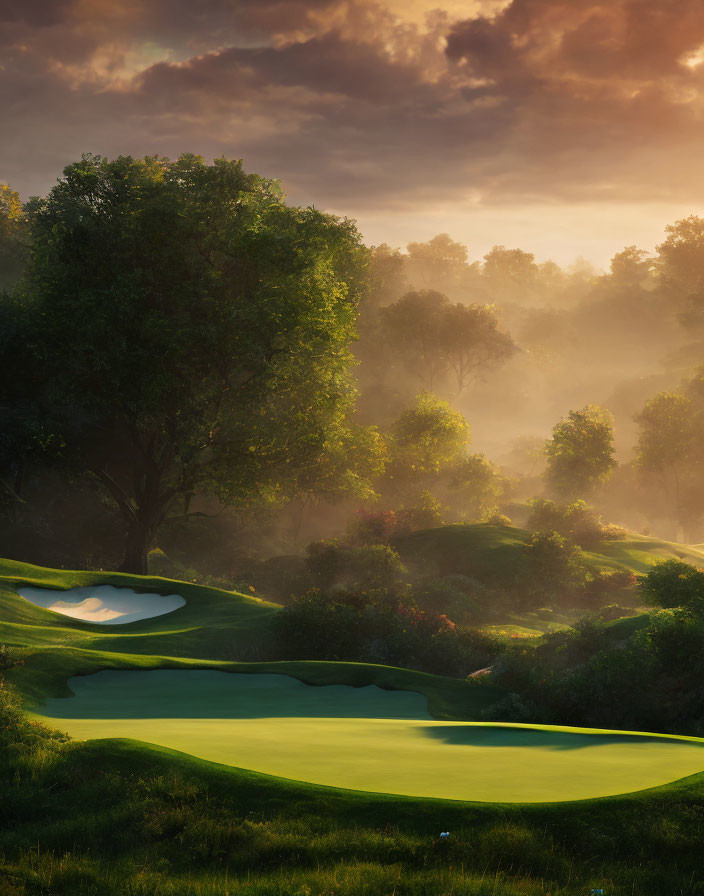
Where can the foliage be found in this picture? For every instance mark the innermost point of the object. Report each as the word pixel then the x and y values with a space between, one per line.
pixel 194 332
pixel 426 439
pixel 372 566
pixel 460 598
pixel 674 583
pixel 475 488
pixel 13 237
pixel 381 526
pixel 680 266
pixel 378 626
pixel 581 452
pixel 647 678
pixel 578 522
pixel 373 526
pixel 669 453
pixel 352 458
pixel 499 519
pixel 553 568
pixel 432 335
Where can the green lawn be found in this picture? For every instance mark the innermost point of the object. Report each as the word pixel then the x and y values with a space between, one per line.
pixel 363 738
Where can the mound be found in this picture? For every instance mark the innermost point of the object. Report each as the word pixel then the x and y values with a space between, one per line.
pixel 103 604
pixel 364 739
pixel 496 554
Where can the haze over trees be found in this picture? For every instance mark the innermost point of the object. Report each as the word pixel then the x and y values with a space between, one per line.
pixel 209 359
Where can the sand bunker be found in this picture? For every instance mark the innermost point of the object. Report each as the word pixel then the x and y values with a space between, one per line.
pixel 103 604
pixel 363 738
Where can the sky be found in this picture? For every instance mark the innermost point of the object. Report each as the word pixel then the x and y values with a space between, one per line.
pixel 565 127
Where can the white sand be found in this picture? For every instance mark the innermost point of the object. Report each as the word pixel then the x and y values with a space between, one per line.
pixel 103 604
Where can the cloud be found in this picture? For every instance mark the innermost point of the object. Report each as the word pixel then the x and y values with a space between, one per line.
pixel 357 107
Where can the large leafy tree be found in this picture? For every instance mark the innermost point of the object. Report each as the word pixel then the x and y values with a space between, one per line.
pixel 581 452
pixel 432 335
pixel 669 453
pixel 191 331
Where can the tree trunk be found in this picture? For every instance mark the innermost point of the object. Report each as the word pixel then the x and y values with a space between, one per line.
pixel 136 549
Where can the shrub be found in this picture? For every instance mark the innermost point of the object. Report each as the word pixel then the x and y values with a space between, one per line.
pixel 578 522
pixel 674 583
pixel 498 519
pixel 373 526
pixel 371 566
pixel 554 568
pixel 376 626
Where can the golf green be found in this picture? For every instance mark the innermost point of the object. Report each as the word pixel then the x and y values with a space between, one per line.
pixel 364 738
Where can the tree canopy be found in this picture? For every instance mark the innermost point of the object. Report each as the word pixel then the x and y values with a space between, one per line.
pixel 432 335
pixel 191 331
pixel 581 452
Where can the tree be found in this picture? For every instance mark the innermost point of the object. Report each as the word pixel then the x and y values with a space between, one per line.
pixel 441 264
pixel 554 569
pixel 680 271
pixel 511 275
pixel 581 452
pixel 352 459
pixel 194 332
pixel 471 341
pixel 671 433
pixel 631 268
pixel 578 522
pixel 475 486
pixel 387 277
pixel 673 583
pixel 432 335
pixel 13 237
pixel 413 329
pixel 428 437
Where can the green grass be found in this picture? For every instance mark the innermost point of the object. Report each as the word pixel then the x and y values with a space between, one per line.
pixel 215 630
pixel 213 624
pixel 112 817
pixel 363 738
pixel 495 553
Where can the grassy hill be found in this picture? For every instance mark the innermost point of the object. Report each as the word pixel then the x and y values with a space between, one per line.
pixel 213 624
pixel 214 630
pixel 495 553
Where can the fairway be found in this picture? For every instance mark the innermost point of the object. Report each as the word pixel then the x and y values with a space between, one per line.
pixel 363 738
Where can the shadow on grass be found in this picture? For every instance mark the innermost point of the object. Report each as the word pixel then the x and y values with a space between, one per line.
pixel 209 694
pixel 489 736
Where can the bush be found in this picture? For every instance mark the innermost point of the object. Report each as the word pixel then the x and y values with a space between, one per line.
pixel 373 526
pixel 498 519
pixel 379 627
pixel 460 597
pixel 554 568
pixel 645 680
pixel 578 522
pixel 619 587
pixel 371 566
pixel 674 583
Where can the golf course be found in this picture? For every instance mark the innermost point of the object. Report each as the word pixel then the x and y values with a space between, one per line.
pixel 363 738
pixel 180 719
pixel 296 721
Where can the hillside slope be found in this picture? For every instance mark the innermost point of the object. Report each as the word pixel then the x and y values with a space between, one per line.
pixel 495 553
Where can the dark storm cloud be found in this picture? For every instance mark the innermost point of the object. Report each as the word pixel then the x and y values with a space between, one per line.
pixel 546 101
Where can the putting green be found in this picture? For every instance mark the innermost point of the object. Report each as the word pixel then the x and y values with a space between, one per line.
pixel 364 738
